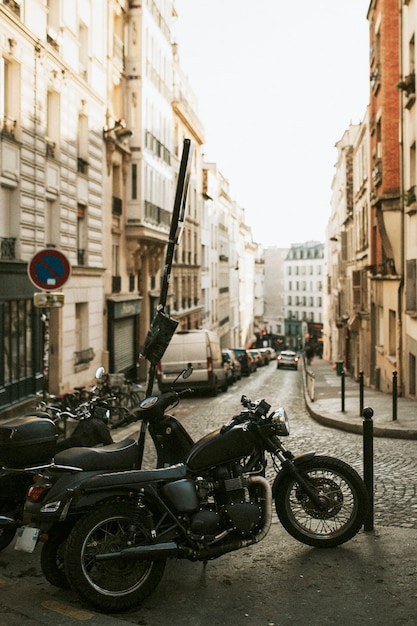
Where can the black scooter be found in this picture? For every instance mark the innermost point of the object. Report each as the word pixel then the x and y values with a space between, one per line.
pixel 72 466
pixel 27 446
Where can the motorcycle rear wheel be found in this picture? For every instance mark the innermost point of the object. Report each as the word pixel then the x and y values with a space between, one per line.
pixel 6 536
pixel 111 585
pixel 342 493
pixel 52 559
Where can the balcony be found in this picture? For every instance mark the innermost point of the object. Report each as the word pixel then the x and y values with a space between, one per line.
pixel 408 87
pixel 8 127
pixel 13 6
pixel 375 79
pixel 80 256
pixel 7 248
pixel 83 356
pixel 377 172
pixel 50 149
pixel 411 200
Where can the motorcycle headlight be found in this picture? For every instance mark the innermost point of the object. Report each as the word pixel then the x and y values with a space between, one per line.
pixel 281 423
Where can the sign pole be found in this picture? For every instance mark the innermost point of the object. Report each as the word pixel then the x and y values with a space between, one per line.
pixel 45 356
pixel 49 269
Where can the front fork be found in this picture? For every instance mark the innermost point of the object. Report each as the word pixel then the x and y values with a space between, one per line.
pixel 289 464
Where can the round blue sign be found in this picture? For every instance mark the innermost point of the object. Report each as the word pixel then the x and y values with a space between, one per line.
pixel 49 269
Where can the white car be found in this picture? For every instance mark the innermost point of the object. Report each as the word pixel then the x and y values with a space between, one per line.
pixel 287 358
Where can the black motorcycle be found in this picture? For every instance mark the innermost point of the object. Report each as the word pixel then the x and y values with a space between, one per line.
pixel 28 444
pixel 113 532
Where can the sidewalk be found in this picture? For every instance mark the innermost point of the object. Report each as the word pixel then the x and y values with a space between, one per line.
pixel 327 405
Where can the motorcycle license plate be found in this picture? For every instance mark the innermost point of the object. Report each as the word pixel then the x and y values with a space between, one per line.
pixel 27 538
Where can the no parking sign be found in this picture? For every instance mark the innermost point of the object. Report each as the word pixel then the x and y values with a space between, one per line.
pixel 49 269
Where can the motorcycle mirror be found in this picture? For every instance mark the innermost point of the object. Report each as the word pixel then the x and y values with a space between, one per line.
pixel 100 371
pixel 187 372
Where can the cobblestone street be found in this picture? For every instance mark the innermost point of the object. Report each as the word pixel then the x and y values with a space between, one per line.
pixel 395 460
pixel 279 582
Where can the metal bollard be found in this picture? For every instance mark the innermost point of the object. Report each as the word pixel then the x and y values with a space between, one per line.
pixel 342 381
pixel 360 394
pixel 394 395
pixel 368 465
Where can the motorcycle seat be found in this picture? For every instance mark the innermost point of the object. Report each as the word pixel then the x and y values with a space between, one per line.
pixel 132 479
pixel 122 455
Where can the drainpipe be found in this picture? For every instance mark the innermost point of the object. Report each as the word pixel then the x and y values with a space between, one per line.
pixel 400 300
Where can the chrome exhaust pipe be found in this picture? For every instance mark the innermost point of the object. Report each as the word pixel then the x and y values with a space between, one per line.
pixel 142 552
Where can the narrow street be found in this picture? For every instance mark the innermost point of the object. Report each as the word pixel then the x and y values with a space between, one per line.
pixel 242 587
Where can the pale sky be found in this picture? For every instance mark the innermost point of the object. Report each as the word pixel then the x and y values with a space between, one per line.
pixel 277 82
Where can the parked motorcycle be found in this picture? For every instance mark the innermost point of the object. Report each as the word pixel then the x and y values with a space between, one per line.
pixel 27 447
pixel 28 444
pixel 113 532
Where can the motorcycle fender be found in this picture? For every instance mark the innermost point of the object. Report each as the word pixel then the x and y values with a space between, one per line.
pixel 298 460
pixel 88 501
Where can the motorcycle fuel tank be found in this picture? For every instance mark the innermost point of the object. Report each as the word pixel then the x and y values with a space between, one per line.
pixel 217 448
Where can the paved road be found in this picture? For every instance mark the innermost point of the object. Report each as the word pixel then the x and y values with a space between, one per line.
pixel 280 581
pixel 395 460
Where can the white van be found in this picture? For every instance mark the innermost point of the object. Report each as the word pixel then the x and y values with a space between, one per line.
pixel 199 349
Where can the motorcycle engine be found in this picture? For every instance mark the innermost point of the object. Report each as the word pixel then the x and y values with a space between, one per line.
pixel 225 505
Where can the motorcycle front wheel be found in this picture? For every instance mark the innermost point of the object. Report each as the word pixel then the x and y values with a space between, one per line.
pixel 343 503
pixel 112 585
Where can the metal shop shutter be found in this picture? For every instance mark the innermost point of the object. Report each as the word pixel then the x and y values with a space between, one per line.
pixel 124 343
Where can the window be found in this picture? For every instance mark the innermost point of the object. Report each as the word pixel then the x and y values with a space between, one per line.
pixel 52 223
pixel 83 354
pixel 380 326
pixel 412 374
pixel 392 320
pixel 83 50
pixel 81 234
pixel 53 116
pixel 116 285
pixel 410 285
pixel 82 147
pixel 356 289
pixel 134 194
pixel 8 88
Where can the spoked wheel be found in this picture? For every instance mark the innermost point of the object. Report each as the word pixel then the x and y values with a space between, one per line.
pixel 52 558
pixel 115 584
pixel 340 512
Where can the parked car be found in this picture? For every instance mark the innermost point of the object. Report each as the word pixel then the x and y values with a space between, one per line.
pixel 232 365
pixel 200 349
pixel 287 358
pixel 246 360
pixel 257 356
pixel 272 354
pixel 266 355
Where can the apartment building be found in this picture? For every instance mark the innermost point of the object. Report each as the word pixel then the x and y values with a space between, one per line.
pixel 385 191
pixel 408 124
pixel 274 292
pixel 93 113
pixel 53 109
pixel 378 284
pixel 185 300
pixel 304 271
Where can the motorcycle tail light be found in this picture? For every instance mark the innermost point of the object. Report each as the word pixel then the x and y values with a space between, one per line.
pixel 37 492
